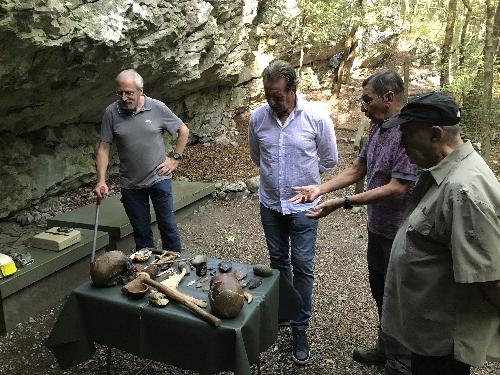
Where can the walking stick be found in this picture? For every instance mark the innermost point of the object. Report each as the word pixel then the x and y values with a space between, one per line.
pixel 97 205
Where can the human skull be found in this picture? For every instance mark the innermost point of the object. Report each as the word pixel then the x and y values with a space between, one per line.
pixel 226 296
pixel 108 267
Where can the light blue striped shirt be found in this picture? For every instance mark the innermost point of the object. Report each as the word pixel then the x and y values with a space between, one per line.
pixel 291 154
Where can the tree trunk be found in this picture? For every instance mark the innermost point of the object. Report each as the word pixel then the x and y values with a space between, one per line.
pixel 463 35
pixel 490 45
pixel 349 49
pixel 349 53
pixel 447 43
pixel 496 32
pixel 406 74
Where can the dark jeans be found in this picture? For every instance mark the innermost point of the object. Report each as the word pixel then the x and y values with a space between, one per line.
pixel 447 365
pixel 291 243
pixel 379 251
pixel 378 254
pixel 136 204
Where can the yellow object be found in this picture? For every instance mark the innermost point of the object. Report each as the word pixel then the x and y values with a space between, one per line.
pixel 56 238
pixel 7 266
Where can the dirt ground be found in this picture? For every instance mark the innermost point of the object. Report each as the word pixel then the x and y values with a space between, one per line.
pixel 344 314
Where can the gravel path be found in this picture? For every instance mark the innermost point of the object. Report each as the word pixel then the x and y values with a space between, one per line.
pixel 344 315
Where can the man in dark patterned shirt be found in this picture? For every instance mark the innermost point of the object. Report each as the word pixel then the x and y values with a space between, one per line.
pixel 390 179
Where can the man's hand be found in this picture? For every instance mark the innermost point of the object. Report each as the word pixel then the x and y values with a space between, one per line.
pixel 305 194
pixel 101 190
pixel 167 167
pixel 325 208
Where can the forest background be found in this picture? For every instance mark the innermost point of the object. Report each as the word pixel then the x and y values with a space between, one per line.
pixel 457 38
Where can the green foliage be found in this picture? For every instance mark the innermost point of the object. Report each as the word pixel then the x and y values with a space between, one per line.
pixel 308 23
pixel 323 21
pixel 468 91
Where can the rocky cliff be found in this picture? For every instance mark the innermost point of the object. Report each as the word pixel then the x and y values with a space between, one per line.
pixel 58 60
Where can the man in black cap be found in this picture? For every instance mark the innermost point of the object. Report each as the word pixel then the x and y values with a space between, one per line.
pixel 442 292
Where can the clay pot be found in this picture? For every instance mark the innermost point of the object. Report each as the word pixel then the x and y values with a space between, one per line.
pixel 226 296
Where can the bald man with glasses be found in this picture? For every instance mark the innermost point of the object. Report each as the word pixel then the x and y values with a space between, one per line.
pixel 137 123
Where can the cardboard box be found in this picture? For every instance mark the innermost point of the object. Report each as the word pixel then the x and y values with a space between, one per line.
pixel 56 238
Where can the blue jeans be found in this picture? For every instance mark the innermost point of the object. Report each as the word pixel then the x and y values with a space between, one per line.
pixel 299 231
pixel 136 204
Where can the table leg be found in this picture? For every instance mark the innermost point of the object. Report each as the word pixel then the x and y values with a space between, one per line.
pixel 108 361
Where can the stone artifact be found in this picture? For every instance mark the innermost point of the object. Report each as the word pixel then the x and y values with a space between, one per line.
pixel 241 274
pixel 158 299
pixel 201 269
pixel 244 282
pixel 109 267
pixel 225 266
pixel 199 259
pixel 226 296
pixel 184 266
pixel 262 270
pixel 255 282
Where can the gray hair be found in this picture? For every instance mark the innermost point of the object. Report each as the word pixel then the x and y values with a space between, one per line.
pixel 139 82
pixel 452 132
pixel 278 69
pixel 385 81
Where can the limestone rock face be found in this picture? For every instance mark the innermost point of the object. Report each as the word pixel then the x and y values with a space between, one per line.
pixel 58 61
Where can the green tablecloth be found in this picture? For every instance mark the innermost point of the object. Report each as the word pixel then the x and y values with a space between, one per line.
pixel 172 334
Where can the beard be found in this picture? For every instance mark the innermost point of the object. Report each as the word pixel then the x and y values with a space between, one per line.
pixel 127 106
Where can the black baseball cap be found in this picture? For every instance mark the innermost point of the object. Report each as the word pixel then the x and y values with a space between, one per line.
pixel 432 108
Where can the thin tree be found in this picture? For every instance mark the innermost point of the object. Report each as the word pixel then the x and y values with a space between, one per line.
pixel 490 46
pixel 447 43
pixel 349 53
pixel 463 34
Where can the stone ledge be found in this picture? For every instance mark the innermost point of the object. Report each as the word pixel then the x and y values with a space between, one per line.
pixel 51 276
pixel 114 220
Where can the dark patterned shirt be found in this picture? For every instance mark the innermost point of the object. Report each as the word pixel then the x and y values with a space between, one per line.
pixel 385 158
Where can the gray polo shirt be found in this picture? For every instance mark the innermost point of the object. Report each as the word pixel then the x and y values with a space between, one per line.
pixel 139 140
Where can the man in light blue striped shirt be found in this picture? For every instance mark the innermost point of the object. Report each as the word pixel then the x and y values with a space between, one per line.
pixel 292 142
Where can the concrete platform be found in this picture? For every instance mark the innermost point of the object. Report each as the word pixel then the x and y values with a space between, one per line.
pixel 114 220
pixel 43 283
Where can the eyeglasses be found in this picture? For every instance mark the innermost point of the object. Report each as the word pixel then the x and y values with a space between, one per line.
pixel 128 94
pixel 366 101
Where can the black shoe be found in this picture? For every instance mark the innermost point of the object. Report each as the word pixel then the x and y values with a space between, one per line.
pixel 301 352
pixel 284 323
pixel 370 358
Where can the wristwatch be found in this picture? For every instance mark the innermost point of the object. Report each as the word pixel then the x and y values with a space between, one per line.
pixel 347 203
pixel 176 156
